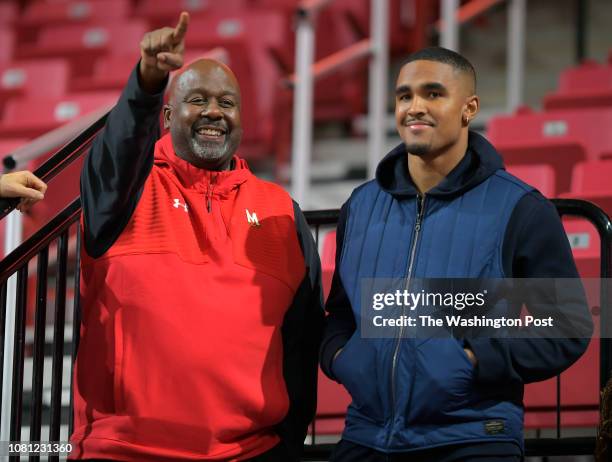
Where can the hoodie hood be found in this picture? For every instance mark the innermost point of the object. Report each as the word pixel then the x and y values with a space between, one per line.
pixel 192 177
pixel 479 163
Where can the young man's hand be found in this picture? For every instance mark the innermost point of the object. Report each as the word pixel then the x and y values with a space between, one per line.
pixel 161 51
pixel 22 184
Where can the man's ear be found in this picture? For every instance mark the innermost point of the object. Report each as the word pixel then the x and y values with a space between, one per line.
pixel 167 115
pixel 472 106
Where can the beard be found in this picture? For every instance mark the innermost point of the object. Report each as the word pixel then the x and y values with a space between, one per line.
pixel 418 149
pixel 211 152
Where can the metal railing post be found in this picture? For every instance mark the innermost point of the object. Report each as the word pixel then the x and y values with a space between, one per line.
pixel 516 52
pixel 13 239
pixel 377 91
pixel 302 108
pixel 449 36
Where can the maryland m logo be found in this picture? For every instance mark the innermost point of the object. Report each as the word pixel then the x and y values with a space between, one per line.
pixel 251 218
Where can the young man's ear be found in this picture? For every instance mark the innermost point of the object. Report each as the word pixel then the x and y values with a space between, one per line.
pixel 167 115
pixel 471 109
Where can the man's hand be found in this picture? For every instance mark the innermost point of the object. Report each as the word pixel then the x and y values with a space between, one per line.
pixel 161 51
pixel 22 184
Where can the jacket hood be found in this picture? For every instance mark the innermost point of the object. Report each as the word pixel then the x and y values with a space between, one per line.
pixel 479 163
pixel 193 177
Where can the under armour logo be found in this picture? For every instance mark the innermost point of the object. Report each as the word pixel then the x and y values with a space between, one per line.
pixel 251 218
pixel 177 204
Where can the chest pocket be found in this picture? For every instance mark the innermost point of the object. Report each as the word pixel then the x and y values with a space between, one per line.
pixel 263 233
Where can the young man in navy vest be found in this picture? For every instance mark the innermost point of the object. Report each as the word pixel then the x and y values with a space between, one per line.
pixel 201 301
pixel 442 206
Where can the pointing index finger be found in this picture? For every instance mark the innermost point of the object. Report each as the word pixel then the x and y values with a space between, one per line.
pixel 181 28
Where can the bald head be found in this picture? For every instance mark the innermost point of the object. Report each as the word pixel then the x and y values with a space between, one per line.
pixel 203 114
pixel 185 78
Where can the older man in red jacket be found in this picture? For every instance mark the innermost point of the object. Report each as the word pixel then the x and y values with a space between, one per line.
pixel 200 282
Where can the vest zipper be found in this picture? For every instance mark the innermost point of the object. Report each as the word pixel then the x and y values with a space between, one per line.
pixel 420 203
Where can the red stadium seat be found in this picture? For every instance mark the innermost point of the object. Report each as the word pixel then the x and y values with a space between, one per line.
pixel 160 14
pixel 586 85
pixel 560 139
pixel 7 39
pixel 9 12
pixel 83 44
pixel 111 72
pixel 35 116
pixel 44 78
pixel 338 96
pixel 409 22
pixel 585 243
pixel 591 182
pixel 592 176
pixel 541 177
pixel 82 11
pixel 248 39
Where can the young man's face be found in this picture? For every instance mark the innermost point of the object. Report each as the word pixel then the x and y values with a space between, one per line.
pixel 431 105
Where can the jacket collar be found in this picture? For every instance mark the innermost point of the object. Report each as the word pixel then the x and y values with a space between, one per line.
pixel 192 177
pixel 481 160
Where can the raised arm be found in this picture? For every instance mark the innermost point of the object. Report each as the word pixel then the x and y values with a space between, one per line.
pixel 121 156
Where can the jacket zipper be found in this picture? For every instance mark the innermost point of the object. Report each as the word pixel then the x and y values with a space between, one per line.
pixel 209 193
pixel 420 203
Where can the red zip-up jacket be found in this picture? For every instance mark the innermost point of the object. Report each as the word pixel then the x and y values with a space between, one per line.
pixel 195 285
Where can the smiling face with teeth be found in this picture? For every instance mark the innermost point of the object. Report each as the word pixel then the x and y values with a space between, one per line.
pixel 203 114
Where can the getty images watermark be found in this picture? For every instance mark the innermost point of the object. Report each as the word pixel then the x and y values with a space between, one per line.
pixel 493 308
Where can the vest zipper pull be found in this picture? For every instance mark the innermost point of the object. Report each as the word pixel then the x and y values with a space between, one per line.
pixel 420 207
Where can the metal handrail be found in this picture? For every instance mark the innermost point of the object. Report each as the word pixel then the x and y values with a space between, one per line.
pixel 60 160
pixel 39 240
pixel 602 223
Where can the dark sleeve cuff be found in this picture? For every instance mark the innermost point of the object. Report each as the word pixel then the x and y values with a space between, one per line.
pixel 329 350
pixel 139 93
pixel 493 359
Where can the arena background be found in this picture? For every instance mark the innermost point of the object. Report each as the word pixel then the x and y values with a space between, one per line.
pixel 63 64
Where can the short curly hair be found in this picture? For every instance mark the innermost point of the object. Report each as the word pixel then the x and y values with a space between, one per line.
pixel 446 56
